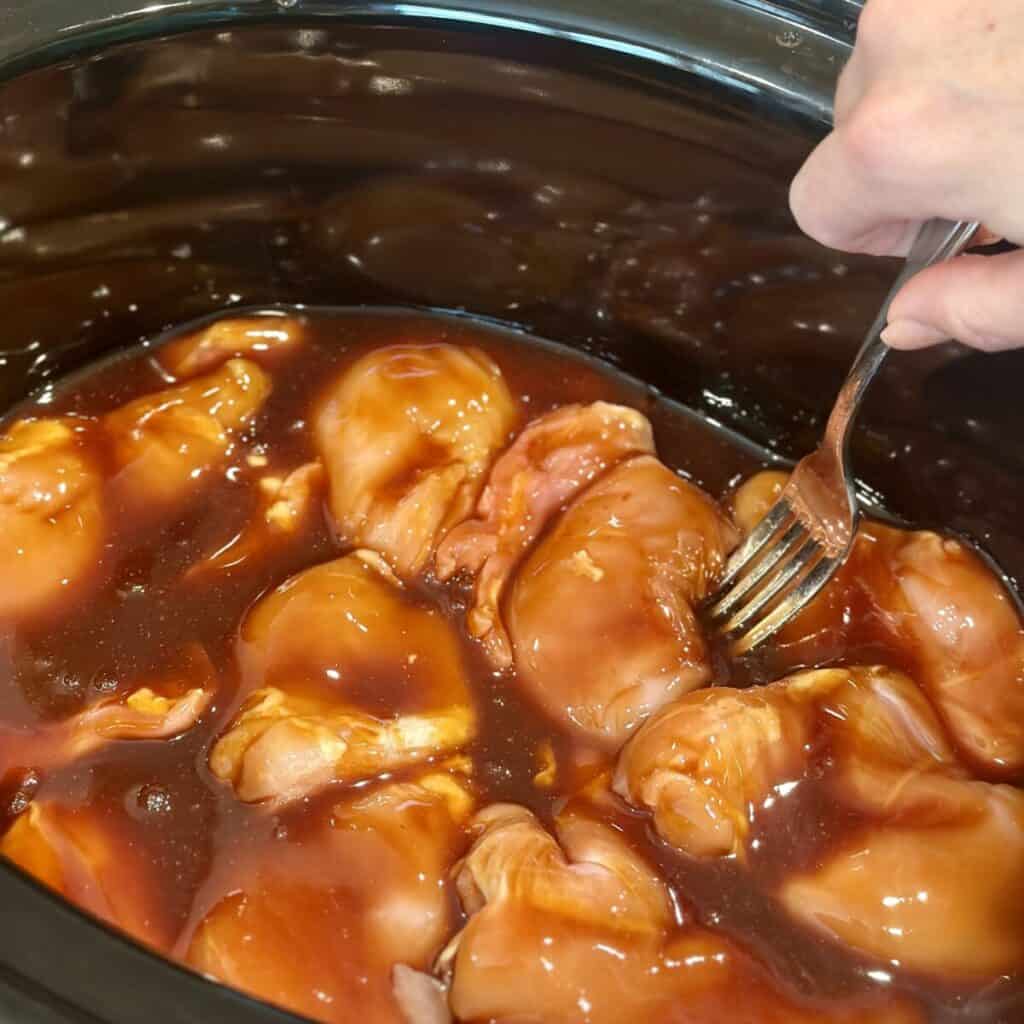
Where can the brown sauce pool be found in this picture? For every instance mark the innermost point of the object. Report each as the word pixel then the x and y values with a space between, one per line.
pixel 159 798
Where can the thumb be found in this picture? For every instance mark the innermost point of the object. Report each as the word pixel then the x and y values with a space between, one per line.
pixel 978 300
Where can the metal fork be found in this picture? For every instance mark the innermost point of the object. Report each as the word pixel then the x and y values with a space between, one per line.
pixel 806 535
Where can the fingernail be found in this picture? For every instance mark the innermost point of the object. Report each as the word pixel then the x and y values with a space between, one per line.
pixel 912 334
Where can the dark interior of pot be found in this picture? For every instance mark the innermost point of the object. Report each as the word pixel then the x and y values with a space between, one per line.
pixel 632 212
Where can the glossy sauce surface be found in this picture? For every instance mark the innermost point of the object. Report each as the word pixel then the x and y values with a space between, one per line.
pixel 187 843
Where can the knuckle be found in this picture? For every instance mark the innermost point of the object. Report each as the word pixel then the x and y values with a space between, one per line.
pixel 970 322
pixel 879 137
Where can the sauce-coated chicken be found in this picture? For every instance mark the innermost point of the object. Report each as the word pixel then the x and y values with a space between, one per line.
pixel 551 461
pixel 168 442
pixel 407 435
pixel 316 921
pixel 933 598
pixel 52 520
pixel 259 338
pixel 97 864
pixel 601 613
pixel 910 883
pixel 351 677
pixel 576 926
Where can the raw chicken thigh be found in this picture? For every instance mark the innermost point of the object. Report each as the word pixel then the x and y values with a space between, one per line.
pixel 929 879
pixel 407 435
pixel 52 520
pixel 551 461
pixel 260 338
pixel 346 678
pixel 167 442
pixel 94 862
pixel 970 646
pixel 934 598
pixel 601 613
pixel 316 921
pixel 576 926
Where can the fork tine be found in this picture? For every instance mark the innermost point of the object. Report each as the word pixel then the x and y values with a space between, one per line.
pixel 803 558
pixel 789 541
pixel 800 597
pixel 779 514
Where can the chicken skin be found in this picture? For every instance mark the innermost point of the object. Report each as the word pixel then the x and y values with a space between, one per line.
pixel 52 516
pixel 549 463
pixel 935 599
pixel 335 916
pixel 407 435
pixel 346 678
pixel 601 612
pixel 928 876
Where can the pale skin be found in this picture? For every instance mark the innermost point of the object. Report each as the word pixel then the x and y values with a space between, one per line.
pixel 929 122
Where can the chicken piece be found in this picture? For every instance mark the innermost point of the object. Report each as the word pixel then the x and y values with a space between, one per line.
pixel 754 497
pixel 143 714
pixel 933 884
pixel 352 679
pixel 939 893
pixel 705 764
pixel 934 597
pixel 515 859
pixel 166 442
pixel 93 861
pixel 579 928
pixel 970 646
pixel 601 613
pixel 349 630
pixel 287 507
pixel 551 461
pixel 888 746
pixel 51 515
pixel 407 435
pixel 344 912
pixel 910 885
pixel 282 748
pixel 252 337
pixel 702 763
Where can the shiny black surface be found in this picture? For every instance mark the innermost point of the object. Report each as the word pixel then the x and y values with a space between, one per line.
pixel 632 206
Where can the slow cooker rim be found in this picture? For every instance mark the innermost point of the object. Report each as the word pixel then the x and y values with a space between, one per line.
pixel 812 40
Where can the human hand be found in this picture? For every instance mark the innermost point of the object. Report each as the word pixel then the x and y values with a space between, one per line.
pixel 929 122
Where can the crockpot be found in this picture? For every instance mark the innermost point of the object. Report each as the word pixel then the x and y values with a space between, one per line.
pixel 163 162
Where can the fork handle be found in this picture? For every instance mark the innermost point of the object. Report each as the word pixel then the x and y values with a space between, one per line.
pixel 937 241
